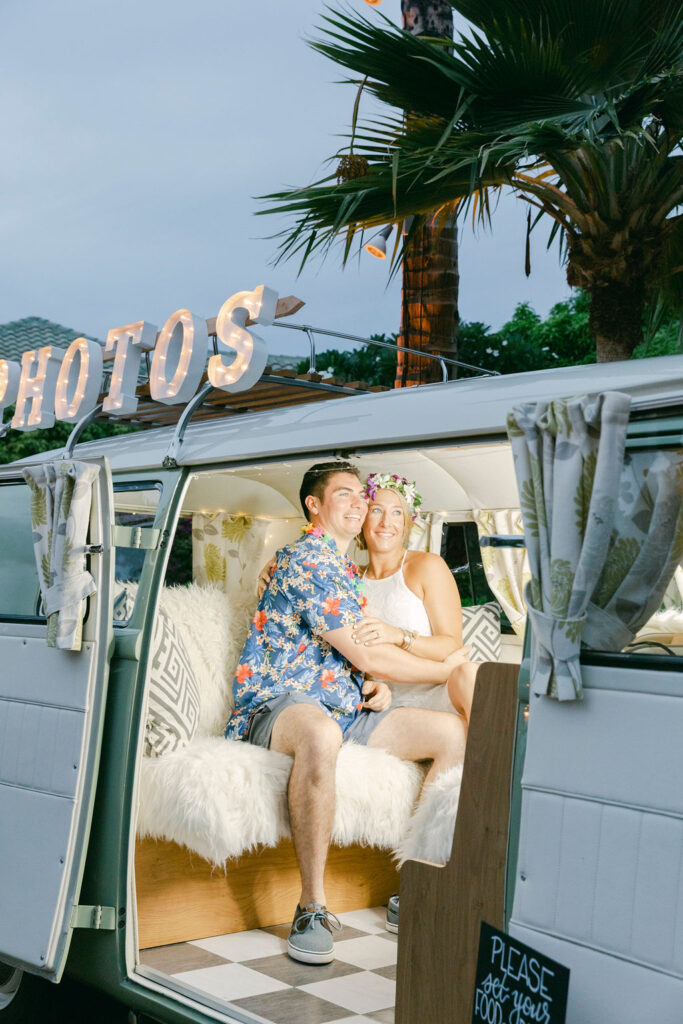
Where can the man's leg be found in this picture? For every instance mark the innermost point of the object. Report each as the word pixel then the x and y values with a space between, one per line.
pixel 310 736
pixel 417 734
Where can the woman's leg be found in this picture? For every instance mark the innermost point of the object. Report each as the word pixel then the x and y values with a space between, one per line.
pixel 460 686
pixel 417 734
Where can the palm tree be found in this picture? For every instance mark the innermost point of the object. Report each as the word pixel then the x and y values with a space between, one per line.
pixel 430 279
pixel 574 105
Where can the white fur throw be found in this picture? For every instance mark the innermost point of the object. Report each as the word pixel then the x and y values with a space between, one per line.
pixel 223 797
pixel 430 833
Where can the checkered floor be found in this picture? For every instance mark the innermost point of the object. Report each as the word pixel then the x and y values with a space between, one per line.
pixel 252 971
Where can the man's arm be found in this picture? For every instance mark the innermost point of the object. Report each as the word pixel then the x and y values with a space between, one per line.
pixel 386 661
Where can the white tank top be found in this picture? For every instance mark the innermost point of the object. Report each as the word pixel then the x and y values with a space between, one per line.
pixel 392 599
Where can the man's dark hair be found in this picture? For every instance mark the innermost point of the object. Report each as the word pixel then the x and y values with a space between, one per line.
pixel 316 478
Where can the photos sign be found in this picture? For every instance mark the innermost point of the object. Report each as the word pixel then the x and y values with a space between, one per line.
pixel 65 384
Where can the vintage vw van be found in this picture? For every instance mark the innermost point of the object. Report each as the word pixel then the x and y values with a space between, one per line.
pixel 149 859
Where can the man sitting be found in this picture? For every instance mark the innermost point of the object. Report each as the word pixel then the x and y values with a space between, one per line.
pixel 299 686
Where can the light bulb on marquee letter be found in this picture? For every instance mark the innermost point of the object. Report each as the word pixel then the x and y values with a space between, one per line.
pixel 250 351
pixel 9 385
pixel 79 380
pixel 181 352
pixel 128 344
pixel 37 390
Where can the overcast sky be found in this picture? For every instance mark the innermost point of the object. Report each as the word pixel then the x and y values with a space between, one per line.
pixel 134 138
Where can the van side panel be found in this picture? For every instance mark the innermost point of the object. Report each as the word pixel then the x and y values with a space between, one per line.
pixel 51 709
pixel 599 882
pixel 44 693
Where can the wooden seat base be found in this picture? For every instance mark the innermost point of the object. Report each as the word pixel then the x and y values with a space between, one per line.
pixel 181 897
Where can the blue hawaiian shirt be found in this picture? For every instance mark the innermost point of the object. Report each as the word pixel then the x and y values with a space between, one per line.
pixel 313 589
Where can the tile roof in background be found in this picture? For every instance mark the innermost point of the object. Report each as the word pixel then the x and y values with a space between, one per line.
pixel 20 336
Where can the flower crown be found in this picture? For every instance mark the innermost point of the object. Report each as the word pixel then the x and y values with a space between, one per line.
pixel 391 482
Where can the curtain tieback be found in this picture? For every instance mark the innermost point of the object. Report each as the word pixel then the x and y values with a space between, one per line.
pixel 69 591
pixel 555 668
pixel 605 631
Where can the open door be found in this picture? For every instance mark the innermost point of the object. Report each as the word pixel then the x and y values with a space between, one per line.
pixel 51 714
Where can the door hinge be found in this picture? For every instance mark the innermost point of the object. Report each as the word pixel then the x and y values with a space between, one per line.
pixel 146 537
pixel 102 918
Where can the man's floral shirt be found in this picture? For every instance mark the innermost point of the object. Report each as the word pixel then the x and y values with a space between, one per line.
pixel 313 589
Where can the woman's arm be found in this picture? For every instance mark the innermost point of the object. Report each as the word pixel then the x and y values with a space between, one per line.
pixel 428 576
pixel 390 662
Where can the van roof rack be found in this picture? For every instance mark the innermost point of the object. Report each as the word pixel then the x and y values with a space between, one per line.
pixel 275 388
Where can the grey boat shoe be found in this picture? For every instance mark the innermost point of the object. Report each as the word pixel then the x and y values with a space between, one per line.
pixel 392 914
pixel 311 940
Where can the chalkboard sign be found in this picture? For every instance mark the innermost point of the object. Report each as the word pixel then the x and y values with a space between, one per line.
pixel 515 984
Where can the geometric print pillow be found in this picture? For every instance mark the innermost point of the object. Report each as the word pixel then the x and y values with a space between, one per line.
pixel 481 629
pixel 173 701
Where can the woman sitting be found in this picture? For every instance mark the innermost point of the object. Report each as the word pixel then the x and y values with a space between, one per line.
pixel 413 600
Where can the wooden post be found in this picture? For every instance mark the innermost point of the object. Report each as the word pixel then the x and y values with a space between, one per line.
pixel 442 907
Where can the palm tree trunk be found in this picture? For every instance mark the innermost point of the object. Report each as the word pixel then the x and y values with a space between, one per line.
pixel 429 307
pixel 616 319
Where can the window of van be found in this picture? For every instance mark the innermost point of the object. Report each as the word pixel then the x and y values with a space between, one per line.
pixel 644 574
pixel 134 505
pixel 19 583
pixel 461 552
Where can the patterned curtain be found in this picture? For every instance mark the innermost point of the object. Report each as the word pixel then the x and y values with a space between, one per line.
pixel 644 551
pixel 61 498
pixel 425 534
pixel 507 569
pixel 568 457
pixel 227 551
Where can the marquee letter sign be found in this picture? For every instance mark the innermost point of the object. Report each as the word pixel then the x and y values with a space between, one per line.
pixel 78 382
pixel 9 385
pixel 180 354
pixel 250 352
pixel 127 343
pixel 35 406
pixel 54 383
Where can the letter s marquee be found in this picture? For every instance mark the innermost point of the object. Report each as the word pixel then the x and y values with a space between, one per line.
pixel 250 352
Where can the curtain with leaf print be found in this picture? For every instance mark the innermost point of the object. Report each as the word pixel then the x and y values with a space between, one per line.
pixel 61 498
pixel 227 551
pixel 426 532
pixel 568 458
pixel 644 552
pixel 507 569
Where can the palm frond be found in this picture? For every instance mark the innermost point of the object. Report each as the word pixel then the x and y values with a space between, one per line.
pixel 574 104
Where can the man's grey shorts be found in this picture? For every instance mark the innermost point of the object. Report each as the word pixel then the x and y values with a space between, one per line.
pixel 263 720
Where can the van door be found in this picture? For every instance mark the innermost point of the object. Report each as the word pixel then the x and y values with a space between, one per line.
pixel 51 714
pixel 599 872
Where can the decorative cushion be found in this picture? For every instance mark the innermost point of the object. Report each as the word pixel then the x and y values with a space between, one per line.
pixel 173 695
pixel 125 592
pixel 481 630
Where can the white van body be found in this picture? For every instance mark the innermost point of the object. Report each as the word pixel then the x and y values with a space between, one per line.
pixel 598 881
